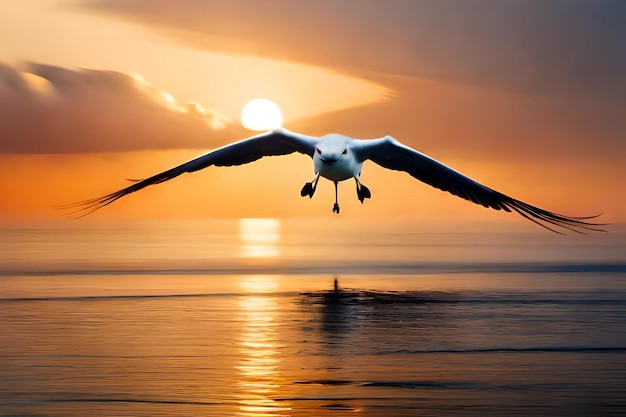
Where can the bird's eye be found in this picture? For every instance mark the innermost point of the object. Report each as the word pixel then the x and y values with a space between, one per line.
pixel 318 151
pixel 345 151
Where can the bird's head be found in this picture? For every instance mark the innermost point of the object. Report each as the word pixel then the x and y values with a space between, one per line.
pixel 333 147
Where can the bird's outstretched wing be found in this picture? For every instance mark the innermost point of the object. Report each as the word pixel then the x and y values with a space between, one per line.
pixel 389 153
pixel 276 142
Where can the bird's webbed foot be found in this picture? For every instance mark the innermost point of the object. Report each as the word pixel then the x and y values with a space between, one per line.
pixel 362 192
pixel 307 190
pixel 310 187
pixel 336 208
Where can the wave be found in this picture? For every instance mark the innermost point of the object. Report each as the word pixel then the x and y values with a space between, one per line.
pixel 519 297
pixel 344 268
pixel 117 297
pixel 354 297
pixel 523 349
pixel 131 400
pixel 70 399
pixel 435 384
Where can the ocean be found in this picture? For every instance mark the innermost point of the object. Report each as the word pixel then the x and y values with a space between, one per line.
pixel 242 318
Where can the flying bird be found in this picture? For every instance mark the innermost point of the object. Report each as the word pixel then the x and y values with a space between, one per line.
pixel 338 158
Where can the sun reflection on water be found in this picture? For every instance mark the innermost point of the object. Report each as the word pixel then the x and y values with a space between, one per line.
pixel 258 348
pixel 259 238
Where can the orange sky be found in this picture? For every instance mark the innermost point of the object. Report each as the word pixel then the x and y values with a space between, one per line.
pixel 546 131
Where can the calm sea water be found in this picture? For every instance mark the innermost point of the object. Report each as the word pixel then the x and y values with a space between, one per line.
pixel 228 318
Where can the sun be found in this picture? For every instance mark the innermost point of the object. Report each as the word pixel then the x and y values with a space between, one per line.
pixel 261 114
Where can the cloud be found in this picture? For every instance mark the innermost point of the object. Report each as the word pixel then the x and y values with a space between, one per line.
pixel 49 109
pixel 571 48
pixel 452 122
pixel 539 79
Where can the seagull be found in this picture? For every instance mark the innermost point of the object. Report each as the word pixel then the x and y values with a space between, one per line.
pixel 338 158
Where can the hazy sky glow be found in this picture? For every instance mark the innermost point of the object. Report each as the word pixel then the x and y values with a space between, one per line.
pixel 526 96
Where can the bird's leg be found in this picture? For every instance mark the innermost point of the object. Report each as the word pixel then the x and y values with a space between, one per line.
pixel 336 206
pixel 362 191
pixel 310 187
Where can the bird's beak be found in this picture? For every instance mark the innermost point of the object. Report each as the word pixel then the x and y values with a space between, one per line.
pixel 329 161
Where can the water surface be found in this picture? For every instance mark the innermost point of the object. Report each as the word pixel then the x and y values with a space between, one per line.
pixel 241 318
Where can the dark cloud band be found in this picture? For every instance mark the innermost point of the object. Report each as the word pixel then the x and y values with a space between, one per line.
pixel 572 48
pixel 49 109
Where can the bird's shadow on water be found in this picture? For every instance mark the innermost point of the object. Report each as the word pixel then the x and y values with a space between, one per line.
pixel 339 311
pixel 347 329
